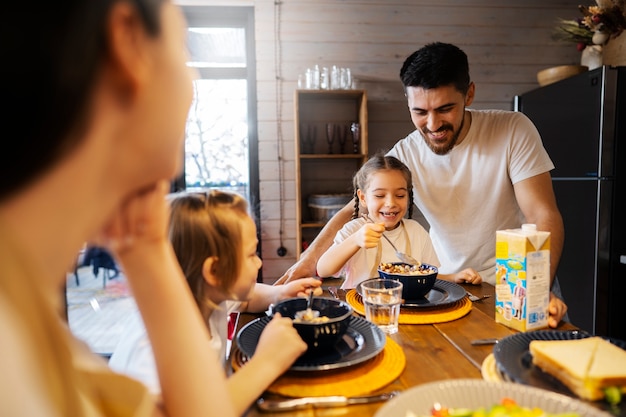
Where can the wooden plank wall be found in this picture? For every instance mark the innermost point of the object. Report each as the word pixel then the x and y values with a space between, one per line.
pixel 507 42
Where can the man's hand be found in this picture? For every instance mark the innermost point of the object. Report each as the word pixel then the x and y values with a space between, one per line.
pixel 467 276
pixel 557 310
pixel 305 267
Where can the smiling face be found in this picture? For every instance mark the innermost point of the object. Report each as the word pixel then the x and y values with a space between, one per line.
pixel 386 196
pixel 439 114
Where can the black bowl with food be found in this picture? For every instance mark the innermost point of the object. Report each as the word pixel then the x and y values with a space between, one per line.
pixel 322 331
pixel 417 281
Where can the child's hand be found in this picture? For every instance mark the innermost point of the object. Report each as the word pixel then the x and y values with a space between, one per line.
pixel 369 235
pixel 141 219
pixel 280 336
pixel 301 288
pixel 467 276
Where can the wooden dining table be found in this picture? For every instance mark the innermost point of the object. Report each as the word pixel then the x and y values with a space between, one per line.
pixel 433 352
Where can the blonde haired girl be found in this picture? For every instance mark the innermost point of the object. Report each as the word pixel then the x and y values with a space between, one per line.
pixel 215 242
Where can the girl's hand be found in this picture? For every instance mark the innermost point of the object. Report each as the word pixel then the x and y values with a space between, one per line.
pixel 142 219
pixel 467 276
pixel 279 335
pixel 369 235
pixel 300 288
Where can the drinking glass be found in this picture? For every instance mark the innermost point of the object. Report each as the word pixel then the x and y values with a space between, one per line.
pixel 382 299
pixel 345 78
pixel 330 136
pixel 342 136
pixel 356 136
pixel 307 133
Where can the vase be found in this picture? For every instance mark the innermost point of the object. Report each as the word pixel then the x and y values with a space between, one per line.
pixel 591 56
pixel 614 52
pixel 599 37
pixel 605 4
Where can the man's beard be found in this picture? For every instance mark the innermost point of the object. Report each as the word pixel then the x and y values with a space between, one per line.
pixel 448 146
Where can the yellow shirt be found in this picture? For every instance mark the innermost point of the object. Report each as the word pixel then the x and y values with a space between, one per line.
pixel 44 369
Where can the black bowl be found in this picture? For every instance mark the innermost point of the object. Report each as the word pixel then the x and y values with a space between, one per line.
pixel 415 284
pixel 317 334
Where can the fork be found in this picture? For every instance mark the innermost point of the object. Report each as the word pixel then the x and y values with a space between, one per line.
pixel 473 297
pixel 333 291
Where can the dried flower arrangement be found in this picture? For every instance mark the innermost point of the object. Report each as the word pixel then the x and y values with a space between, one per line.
pixel 597 25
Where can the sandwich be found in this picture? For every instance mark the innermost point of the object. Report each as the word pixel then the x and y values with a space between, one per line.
pixel 588 367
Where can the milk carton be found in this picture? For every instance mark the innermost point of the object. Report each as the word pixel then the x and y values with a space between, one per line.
pixel 522 277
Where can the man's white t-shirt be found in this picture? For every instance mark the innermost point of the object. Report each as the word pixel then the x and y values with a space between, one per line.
pixel 467 195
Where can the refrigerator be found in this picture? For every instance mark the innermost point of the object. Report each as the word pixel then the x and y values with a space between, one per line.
pixel 582 122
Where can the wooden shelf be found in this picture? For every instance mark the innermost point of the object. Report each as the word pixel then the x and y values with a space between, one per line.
pixel 331 156
pixel 317 170
pixel 313 225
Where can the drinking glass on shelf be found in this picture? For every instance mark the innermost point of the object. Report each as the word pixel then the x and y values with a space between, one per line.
pixel 325 79
pixel 330 136
pixel 345 78
pixel 342 136
pixel 356 136
pixel 307 133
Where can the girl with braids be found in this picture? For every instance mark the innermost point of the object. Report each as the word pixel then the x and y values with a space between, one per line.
pixel 382 199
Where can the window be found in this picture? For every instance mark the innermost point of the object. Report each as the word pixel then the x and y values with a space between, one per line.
pixel 221 149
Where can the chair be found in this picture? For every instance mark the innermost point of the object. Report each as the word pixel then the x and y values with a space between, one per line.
pixel 97 258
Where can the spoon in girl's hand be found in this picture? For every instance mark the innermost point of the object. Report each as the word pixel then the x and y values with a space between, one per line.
pixel 407 259
pixel 308 314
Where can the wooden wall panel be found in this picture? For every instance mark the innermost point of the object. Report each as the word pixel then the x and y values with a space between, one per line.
pixel 507 42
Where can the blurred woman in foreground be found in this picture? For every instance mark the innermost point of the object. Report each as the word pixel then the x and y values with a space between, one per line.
pixel 96 95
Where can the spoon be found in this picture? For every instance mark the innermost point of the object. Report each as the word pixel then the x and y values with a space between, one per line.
pixel 308 314
pixel 407 259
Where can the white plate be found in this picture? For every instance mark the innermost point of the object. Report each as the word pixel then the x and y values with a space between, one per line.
pixel 475 393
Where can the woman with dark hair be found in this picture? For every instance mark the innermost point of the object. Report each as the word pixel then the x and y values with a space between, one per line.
pixel 96 96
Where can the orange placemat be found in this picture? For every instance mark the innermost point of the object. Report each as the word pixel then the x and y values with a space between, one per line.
pixel 359 379
pixel 418 316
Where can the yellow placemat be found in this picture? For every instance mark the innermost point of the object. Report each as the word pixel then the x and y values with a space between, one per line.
pixel 489 370
pixel 418 316
pixel 359 379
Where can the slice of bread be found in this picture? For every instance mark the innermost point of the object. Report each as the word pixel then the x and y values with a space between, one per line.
pixel 608 368
pixel 585 366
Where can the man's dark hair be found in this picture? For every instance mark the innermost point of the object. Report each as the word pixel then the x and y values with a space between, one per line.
pixel 436 65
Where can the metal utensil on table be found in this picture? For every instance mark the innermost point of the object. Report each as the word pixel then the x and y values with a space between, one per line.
pixel 407 259
pixel 488 341
pixel 474 298
pixel 333 291
pixel 321 402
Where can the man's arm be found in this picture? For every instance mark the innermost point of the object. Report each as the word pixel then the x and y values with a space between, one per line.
pixel 305 266
pixel 535 197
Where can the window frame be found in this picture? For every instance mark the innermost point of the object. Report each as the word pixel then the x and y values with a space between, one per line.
pixel 235 17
